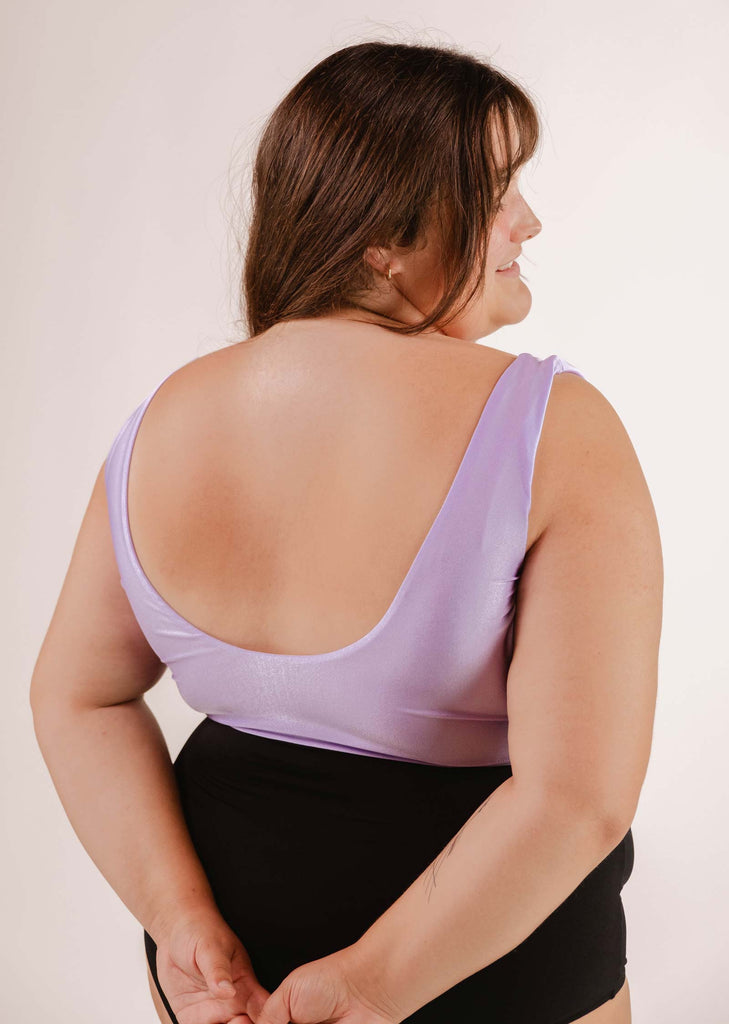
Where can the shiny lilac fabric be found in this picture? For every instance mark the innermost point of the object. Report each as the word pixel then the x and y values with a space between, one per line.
pixel 428 682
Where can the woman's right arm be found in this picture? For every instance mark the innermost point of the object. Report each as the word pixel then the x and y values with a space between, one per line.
pixel 581 693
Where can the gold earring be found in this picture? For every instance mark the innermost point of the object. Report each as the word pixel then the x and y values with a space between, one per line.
pixel 389 272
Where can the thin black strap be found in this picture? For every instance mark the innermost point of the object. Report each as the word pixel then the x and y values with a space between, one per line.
pixel 151 949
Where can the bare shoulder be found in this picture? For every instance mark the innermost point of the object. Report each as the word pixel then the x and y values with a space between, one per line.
pixel 186 406
pixel 583 446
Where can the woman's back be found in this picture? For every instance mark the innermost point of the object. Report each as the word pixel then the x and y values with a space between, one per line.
pixel 330 525
pixel 280 489
pixel 284 479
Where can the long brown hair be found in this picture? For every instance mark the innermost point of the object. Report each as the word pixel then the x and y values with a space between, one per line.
pixel 375 145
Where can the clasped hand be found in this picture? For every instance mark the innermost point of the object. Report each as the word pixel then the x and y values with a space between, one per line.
pixel 207 978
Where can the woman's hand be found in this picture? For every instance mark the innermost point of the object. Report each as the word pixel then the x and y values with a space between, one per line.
pixel 333 989
pixel 197 953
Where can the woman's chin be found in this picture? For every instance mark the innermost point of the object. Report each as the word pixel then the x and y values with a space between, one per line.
pixel 513 312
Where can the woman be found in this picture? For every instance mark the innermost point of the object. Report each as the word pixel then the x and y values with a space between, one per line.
pixel 413 582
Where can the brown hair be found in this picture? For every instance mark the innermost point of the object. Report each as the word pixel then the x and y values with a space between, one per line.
pixel 373 145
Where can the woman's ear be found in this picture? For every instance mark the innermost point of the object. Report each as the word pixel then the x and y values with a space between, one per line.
pixel 377 258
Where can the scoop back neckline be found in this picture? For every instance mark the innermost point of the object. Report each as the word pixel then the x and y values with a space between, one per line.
pixel 380 625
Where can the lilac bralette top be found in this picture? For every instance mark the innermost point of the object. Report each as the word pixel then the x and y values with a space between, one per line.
pixel 428 683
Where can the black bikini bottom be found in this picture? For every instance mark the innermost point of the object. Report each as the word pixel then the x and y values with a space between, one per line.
pixel 305 847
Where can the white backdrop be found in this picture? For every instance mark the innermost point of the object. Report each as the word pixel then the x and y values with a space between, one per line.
pixel 119 125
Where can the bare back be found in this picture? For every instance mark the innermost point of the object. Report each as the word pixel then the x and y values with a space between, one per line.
pixel 280 488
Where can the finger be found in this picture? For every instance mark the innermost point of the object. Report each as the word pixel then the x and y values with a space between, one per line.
pixel 215 967
pixel 257 1001
pixel 275 1010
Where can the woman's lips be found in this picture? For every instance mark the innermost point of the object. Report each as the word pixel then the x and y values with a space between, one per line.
pixel 513 271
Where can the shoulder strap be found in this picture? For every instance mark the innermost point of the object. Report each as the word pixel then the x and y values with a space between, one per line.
pixel 116 471
pixel 488 518
pixel 115 478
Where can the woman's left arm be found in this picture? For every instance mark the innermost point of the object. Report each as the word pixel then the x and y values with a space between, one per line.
pixel 112 771
pixel 103 747
pixel 109 763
